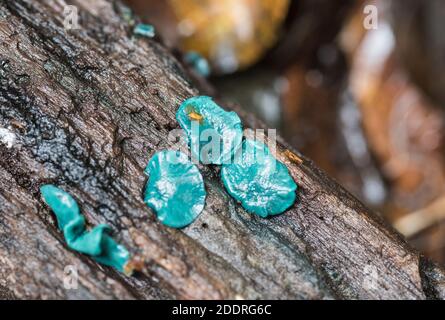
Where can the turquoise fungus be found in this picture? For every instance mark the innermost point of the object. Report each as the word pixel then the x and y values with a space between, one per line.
pixel 144 30
pixel 175 189
pixel 261 183
pixel 213 133
pixel 96 243
pixel 250 173
pixel 199 63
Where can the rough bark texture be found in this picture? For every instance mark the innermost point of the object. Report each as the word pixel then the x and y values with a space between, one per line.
pixel 89 107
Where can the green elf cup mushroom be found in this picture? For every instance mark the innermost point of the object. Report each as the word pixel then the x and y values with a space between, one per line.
pixel 198 63
pixel 144 30
pixel 213 134
pixel 175 189
pixel 97 242
pixel 261 183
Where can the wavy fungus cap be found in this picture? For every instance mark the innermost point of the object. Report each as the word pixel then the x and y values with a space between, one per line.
pixel 214 135
pixel 96 242
pixel 261 183
pixel 175 189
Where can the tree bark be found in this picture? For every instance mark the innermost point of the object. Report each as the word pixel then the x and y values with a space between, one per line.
pixel 89 107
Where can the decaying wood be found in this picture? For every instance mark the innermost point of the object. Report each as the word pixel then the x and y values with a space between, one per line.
pixel 89 107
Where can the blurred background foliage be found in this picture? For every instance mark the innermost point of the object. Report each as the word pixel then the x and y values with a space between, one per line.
pixel 366 105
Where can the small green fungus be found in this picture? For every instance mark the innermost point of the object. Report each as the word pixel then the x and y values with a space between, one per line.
pixel 96 243
pixel 198 63
pixel 175 189
pixel 261 183
pixel 144 30
pixel 213 134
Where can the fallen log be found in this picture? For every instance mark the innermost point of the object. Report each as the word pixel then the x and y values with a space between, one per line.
pixel 87 109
